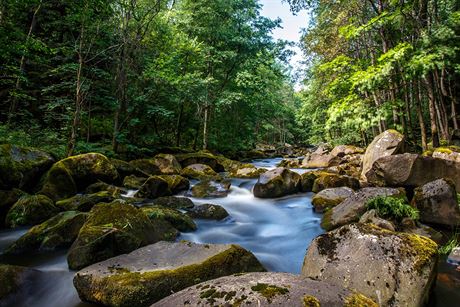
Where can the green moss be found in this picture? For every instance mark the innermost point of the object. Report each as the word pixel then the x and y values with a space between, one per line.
pixel 31 210
pixel 177 219
pixel 422 248
pixel 359 300
pixel 326 220
pixel 269 291
pixel 310 301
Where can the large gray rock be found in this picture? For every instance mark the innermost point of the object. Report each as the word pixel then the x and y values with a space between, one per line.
pixel 345 150
pixel 320 161
pixel 149 274
pixel 329 198
pixel 437 203
pixel 351 209
pixel 388 143
pixel 393 269
pixel 276 183
pixel 412 170
pixel 266 289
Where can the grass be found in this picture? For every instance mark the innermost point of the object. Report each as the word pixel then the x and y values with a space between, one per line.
pixel 447 248
pixel 393 208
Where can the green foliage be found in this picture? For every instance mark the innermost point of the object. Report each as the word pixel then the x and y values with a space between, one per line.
pixel 392 208
pixel 453 242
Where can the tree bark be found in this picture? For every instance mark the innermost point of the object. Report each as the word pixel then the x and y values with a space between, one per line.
pixel 432 106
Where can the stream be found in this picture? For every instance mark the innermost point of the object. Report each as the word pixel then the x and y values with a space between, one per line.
pixel 277 231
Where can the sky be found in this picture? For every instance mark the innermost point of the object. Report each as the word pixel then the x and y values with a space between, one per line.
pixel 292 24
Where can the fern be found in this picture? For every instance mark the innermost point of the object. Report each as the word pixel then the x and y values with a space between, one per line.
pixel 392 208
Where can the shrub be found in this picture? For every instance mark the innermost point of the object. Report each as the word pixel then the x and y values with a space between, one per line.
pixel 392 208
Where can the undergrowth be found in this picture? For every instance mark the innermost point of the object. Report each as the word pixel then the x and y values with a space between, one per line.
pixel 392 208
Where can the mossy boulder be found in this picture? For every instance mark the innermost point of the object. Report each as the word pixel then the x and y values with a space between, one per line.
pixel 451 153
pixel 12 280
pixel 151 273
pixel 110 230
pixel 211 189
pixel 7 200
pixel 247 171
pixel 328 181
pixel 264 289
pixel 202 157
pixel 177 219
pixel 208 212
pixel 147 167
pixel 351 209
pixel 31 210
pixel 277 183
pixel 104 187
pixel 22 167
pixel 134 182
pixel 74 174
pixel 308 179
pixel 153 188
pixel 173 202
pixel 167 164
pixel 84 202
pixel 329 198
pixel 57 232
pixel 437 203
pixel 372 217
pixel 125 169
pixel 176 183
pixel 199 171
pixel 393 269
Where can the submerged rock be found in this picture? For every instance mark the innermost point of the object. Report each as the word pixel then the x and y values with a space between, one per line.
pixel 151 273
pixel 390 142
pixel 437 203
pixel 208 212
pixel 111 230
pixel 177 219
pixel 393 269
pixel 329 198
pixel 211 189
pixel 276 183
pixel 57 232
pixel 31 210
pixel 266 289
pixel 351 209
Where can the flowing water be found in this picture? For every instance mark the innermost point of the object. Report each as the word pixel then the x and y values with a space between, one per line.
pixel 277 231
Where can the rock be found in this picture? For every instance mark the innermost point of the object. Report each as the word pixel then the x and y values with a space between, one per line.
pixel 390 142
pixel 411 170
pixel 199 171
pixel 148 167
pixel 22 167
pixel 290 163
pixel 176 183
pixel 351 209
pixel 57 232
pixel 167 164
pixel 345 150
pixel 265 289
pixel 134 182
pixel 425 231
pixel 7 200
pixel 125 169
pixel 110 230
pixel 328 181
pixel 437 203
pixel 153 188
pixel 451 153
pixel 454 256
pixel 329 198
pixel 201 157
pixel 371 217
pixel 211 189
pixel 320 161
pixel 104 187
pixel 393 269
pixel 247 172
pixel 276 183
pixel 30 210
pixel 12 279
pixel 173 202
pixel 84 202
pixel 74 174
pixel 151 273
pixel 308 179
pixel 177 219
pixel 208 212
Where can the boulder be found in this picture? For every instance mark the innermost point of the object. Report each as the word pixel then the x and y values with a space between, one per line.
pixel 147 167
pixel 177 219
pixel 390 142
pixel 110 230
pixel 104 187
pixel 451 153
pixel 125 169
pixel 208 212
pixel 329 198
pixel 308 179
pixel 84 202
pixel 247 172
pixel 345 150
pixel 167 164
pixel 74 174
pixel 12 279
pixel 173 202
pixel 201 157
pixel 371 217
pixel 328 181
pixel 151 273
pixel 276 183
pixel 7 200
pixel 31 210
pixel 290 163
pixel 211 189
pixel 320 161
pixel 393 269
pixel 134 182
pixel 412 170
pixel 153 188
pixel 176 183
pixel 57 232
pixel 437 203
pixel 199 171
pixel 22 167
pixel 266 289
pixel 351 209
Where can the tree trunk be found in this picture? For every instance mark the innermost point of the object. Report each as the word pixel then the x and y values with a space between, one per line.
pixel 421 121
pixel 205 126
pixel 179 123
pixel 432 106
